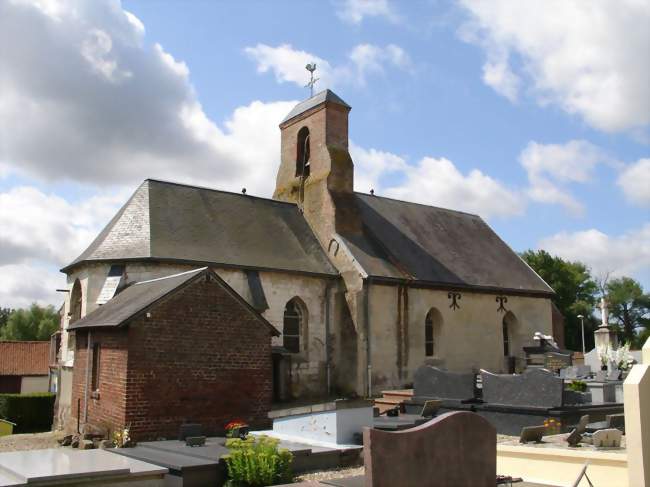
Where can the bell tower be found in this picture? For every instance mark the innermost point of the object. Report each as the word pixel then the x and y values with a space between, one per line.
pixel 316 169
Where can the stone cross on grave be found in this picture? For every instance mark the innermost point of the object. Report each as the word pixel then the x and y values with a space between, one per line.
pixel 311 67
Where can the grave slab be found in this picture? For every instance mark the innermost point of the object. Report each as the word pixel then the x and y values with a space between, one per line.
pixel 58 465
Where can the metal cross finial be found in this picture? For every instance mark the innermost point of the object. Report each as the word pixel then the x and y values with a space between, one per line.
pixel 312 81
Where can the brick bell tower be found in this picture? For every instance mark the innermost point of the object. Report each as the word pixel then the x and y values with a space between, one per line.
pixel 316 170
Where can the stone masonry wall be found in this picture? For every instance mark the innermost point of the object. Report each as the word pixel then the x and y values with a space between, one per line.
pixel 470 336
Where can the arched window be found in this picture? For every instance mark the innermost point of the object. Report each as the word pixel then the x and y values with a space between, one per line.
pixel 506 339
pixel 75 302
pixel 294 325
pixel 432 324
pixel 303 153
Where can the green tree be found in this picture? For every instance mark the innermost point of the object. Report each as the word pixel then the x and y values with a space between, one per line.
pixel 575 293
pixel 35 323
pixel 629 307
pixel 4 316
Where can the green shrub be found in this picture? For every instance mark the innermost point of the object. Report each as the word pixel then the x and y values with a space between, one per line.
pixel 578 386
pixel 31 412
pixel 255 462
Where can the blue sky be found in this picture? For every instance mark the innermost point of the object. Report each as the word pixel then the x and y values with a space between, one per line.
pixel 536 118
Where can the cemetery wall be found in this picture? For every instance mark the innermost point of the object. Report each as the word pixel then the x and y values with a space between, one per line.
pixel 469 337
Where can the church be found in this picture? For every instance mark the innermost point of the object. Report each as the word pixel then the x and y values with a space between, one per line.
pixel 352 291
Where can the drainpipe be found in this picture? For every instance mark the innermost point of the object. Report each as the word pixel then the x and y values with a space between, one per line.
pixel 88 349
pixel 366 317
pixel 328 362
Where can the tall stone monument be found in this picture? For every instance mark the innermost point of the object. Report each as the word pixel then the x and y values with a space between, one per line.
pixel 604 338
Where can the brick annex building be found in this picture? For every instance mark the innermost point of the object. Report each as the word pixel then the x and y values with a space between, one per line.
pixel 319 291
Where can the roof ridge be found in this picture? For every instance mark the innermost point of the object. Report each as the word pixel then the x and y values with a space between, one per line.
pixel 450 210
pixel 194 186
pixel 171 276
pixel 25 341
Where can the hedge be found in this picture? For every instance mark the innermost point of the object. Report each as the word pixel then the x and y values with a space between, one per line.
pixel 32 413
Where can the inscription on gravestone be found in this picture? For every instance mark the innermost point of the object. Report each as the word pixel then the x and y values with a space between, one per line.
pixel 556 361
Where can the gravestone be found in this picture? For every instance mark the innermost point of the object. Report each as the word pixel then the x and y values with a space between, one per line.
pixel 582 424
pixel 575 372
pixel 574 438
pixel 556 361
pixel 532 433
pixel 600 376
pixel 607 438
pixel 457 448
pixel 190 429
pixel 438 383
pixel 533 388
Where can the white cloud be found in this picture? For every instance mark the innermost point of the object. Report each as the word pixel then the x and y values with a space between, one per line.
pixel 551 167
pixel 23 284
pixel 586 57
pixel 634 180
pixel 288 64
pixel 438 182
pixel 627 254
pixel 46 227
pixel 499 76
pixel 371 166
pixel 354 11
pixel 41 233
pixel 97 105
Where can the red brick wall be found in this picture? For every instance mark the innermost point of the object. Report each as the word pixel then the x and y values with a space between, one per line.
pixel 108 410
pixel 201 357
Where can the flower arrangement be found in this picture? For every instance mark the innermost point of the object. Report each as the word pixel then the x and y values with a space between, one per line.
pixel 122 438
pixel 621 357
pixel 603 355
pixel 236 428
pixel 553 426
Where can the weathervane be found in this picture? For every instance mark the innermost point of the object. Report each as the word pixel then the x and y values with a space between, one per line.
pixel 312 81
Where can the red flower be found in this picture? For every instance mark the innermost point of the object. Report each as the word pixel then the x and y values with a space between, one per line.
pixel 236 423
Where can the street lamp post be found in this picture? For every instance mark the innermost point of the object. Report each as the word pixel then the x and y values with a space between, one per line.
pixel 582 325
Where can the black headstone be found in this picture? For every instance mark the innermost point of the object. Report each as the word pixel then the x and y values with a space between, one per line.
pixel 534 388
pixel 438 383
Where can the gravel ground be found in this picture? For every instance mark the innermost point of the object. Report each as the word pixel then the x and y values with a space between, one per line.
pixel 336 473
pixel 31 441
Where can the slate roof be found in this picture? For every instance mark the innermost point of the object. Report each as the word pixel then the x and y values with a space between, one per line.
pixel 175 222
pixel 322 97
pixel 24 358
pixel 140 296
pixel 403 240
